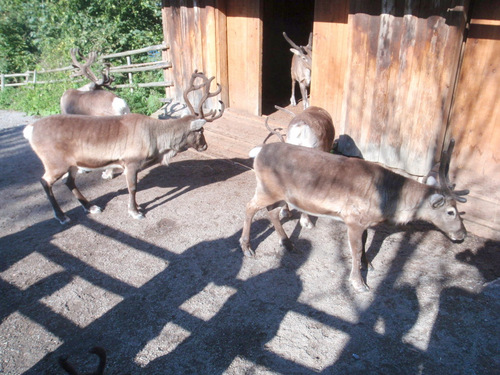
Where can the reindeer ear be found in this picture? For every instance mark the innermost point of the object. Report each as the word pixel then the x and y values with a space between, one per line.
pixel 197 124
pixel 295 51
pixel 437 200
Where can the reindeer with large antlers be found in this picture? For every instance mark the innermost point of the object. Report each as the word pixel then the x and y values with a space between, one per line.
pixel 65 143
pixel 92 99
pixel 359 193
pixel 301 69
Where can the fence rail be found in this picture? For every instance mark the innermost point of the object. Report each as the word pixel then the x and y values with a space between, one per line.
pixel 31 77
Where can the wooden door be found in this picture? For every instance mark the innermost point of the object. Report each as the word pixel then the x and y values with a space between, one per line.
pixel 244 55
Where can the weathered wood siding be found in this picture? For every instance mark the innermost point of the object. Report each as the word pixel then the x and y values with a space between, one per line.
pixel 475 121
pixel 330 51
pixel 401 65
pixel 244 48
pixel 196 32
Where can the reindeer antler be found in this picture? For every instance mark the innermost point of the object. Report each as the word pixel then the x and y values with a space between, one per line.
pixel 84 69
pixel 291 42
pixel 302 49
pixel 212 115
pixel 272 132
pixel 444 180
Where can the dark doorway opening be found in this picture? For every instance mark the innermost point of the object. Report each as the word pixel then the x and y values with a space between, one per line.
pixel 296 19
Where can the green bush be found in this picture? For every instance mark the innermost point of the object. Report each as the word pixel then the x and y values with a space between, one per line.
pixel 40 100
pixel 44 99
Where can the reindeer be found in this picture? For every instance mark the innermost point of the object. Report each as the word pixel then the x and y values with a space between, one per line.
pixel 312 128
pixel 301 69
pixel 359 193
pixel 100 352
pixel 91 99
pixel 65 143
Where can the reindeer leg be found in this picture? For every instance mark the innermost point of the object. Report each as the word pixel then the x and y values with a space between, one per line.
pixel 252 208
pixel 70 183
pixel 364 260
pixel 303 91
pixel 274 213
pixel 47 187
pixel 259 201
pixel 355 234
pixel 293 102
pixel 285 212
pixel 131 175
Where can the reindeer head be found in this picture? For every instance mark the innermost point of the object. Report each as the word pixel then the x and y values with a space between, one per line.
pixel 195 138
pixel 443 202
pixel 84 70
pixel 303 52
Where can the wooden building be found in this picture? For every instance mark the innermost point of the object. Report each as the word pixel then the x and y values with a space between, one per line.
pixel 400 78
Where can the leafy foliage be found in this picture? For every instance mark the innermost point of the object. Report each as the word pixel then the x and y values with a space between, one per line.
pixel 39 35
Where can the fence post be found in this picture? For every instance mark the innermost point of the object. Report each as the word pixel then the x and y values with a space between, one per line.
pixel 2 81
pixel 34 77
pixel 129 62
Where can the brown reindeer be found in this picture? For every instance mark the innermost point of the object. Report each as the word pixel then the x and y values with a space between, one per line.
pixel 65 143
pixel 300 69
pixel 360 193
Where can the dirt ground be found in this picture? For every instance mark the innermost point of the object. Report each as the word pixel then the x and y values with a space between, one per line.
pixel 173 293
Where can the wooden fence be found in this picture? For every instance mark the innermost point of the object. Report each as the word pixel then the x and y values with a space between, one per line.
pixel 31 77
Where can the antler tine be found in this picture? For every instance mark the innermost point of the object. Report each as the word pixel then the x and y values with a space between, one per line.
pixel 309 42
pixel 85 67
pixel 106 79
pixel 192 87
pixel 206 93
pixel 273 132
pixel 205 85
pixel 291 42
pixel 215 116
pixel 444 180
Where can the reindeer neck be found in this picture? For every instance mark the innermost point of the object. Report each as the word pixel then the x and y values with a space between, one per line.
pixel 413 202
pixel 170 134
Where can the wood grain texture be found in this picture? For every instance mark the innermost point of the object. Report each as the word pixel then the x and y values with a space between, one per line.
pixel 244 49
pixel 475 121
pixel 398 87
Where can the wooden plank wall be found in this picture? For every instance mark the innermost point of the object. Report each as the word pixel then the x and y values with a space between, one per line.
pixel 196 33
pixel 330 50
pixel 244 49
pixel 475 121
pixel 402 63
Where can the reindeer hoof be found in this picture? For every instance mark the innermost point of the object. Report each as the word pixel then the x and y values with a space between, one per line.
pixel 360 286
pixel 107 174
pixel 136 215
pixel 285 214
pixel 306 222
pixel 249 253
pixel 287 244
pixel 95 209
pixel 63 219
pixel 247 250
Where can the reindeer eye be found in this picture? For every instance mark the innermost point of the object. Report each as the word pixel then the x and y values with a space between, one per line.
pixel 451 212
